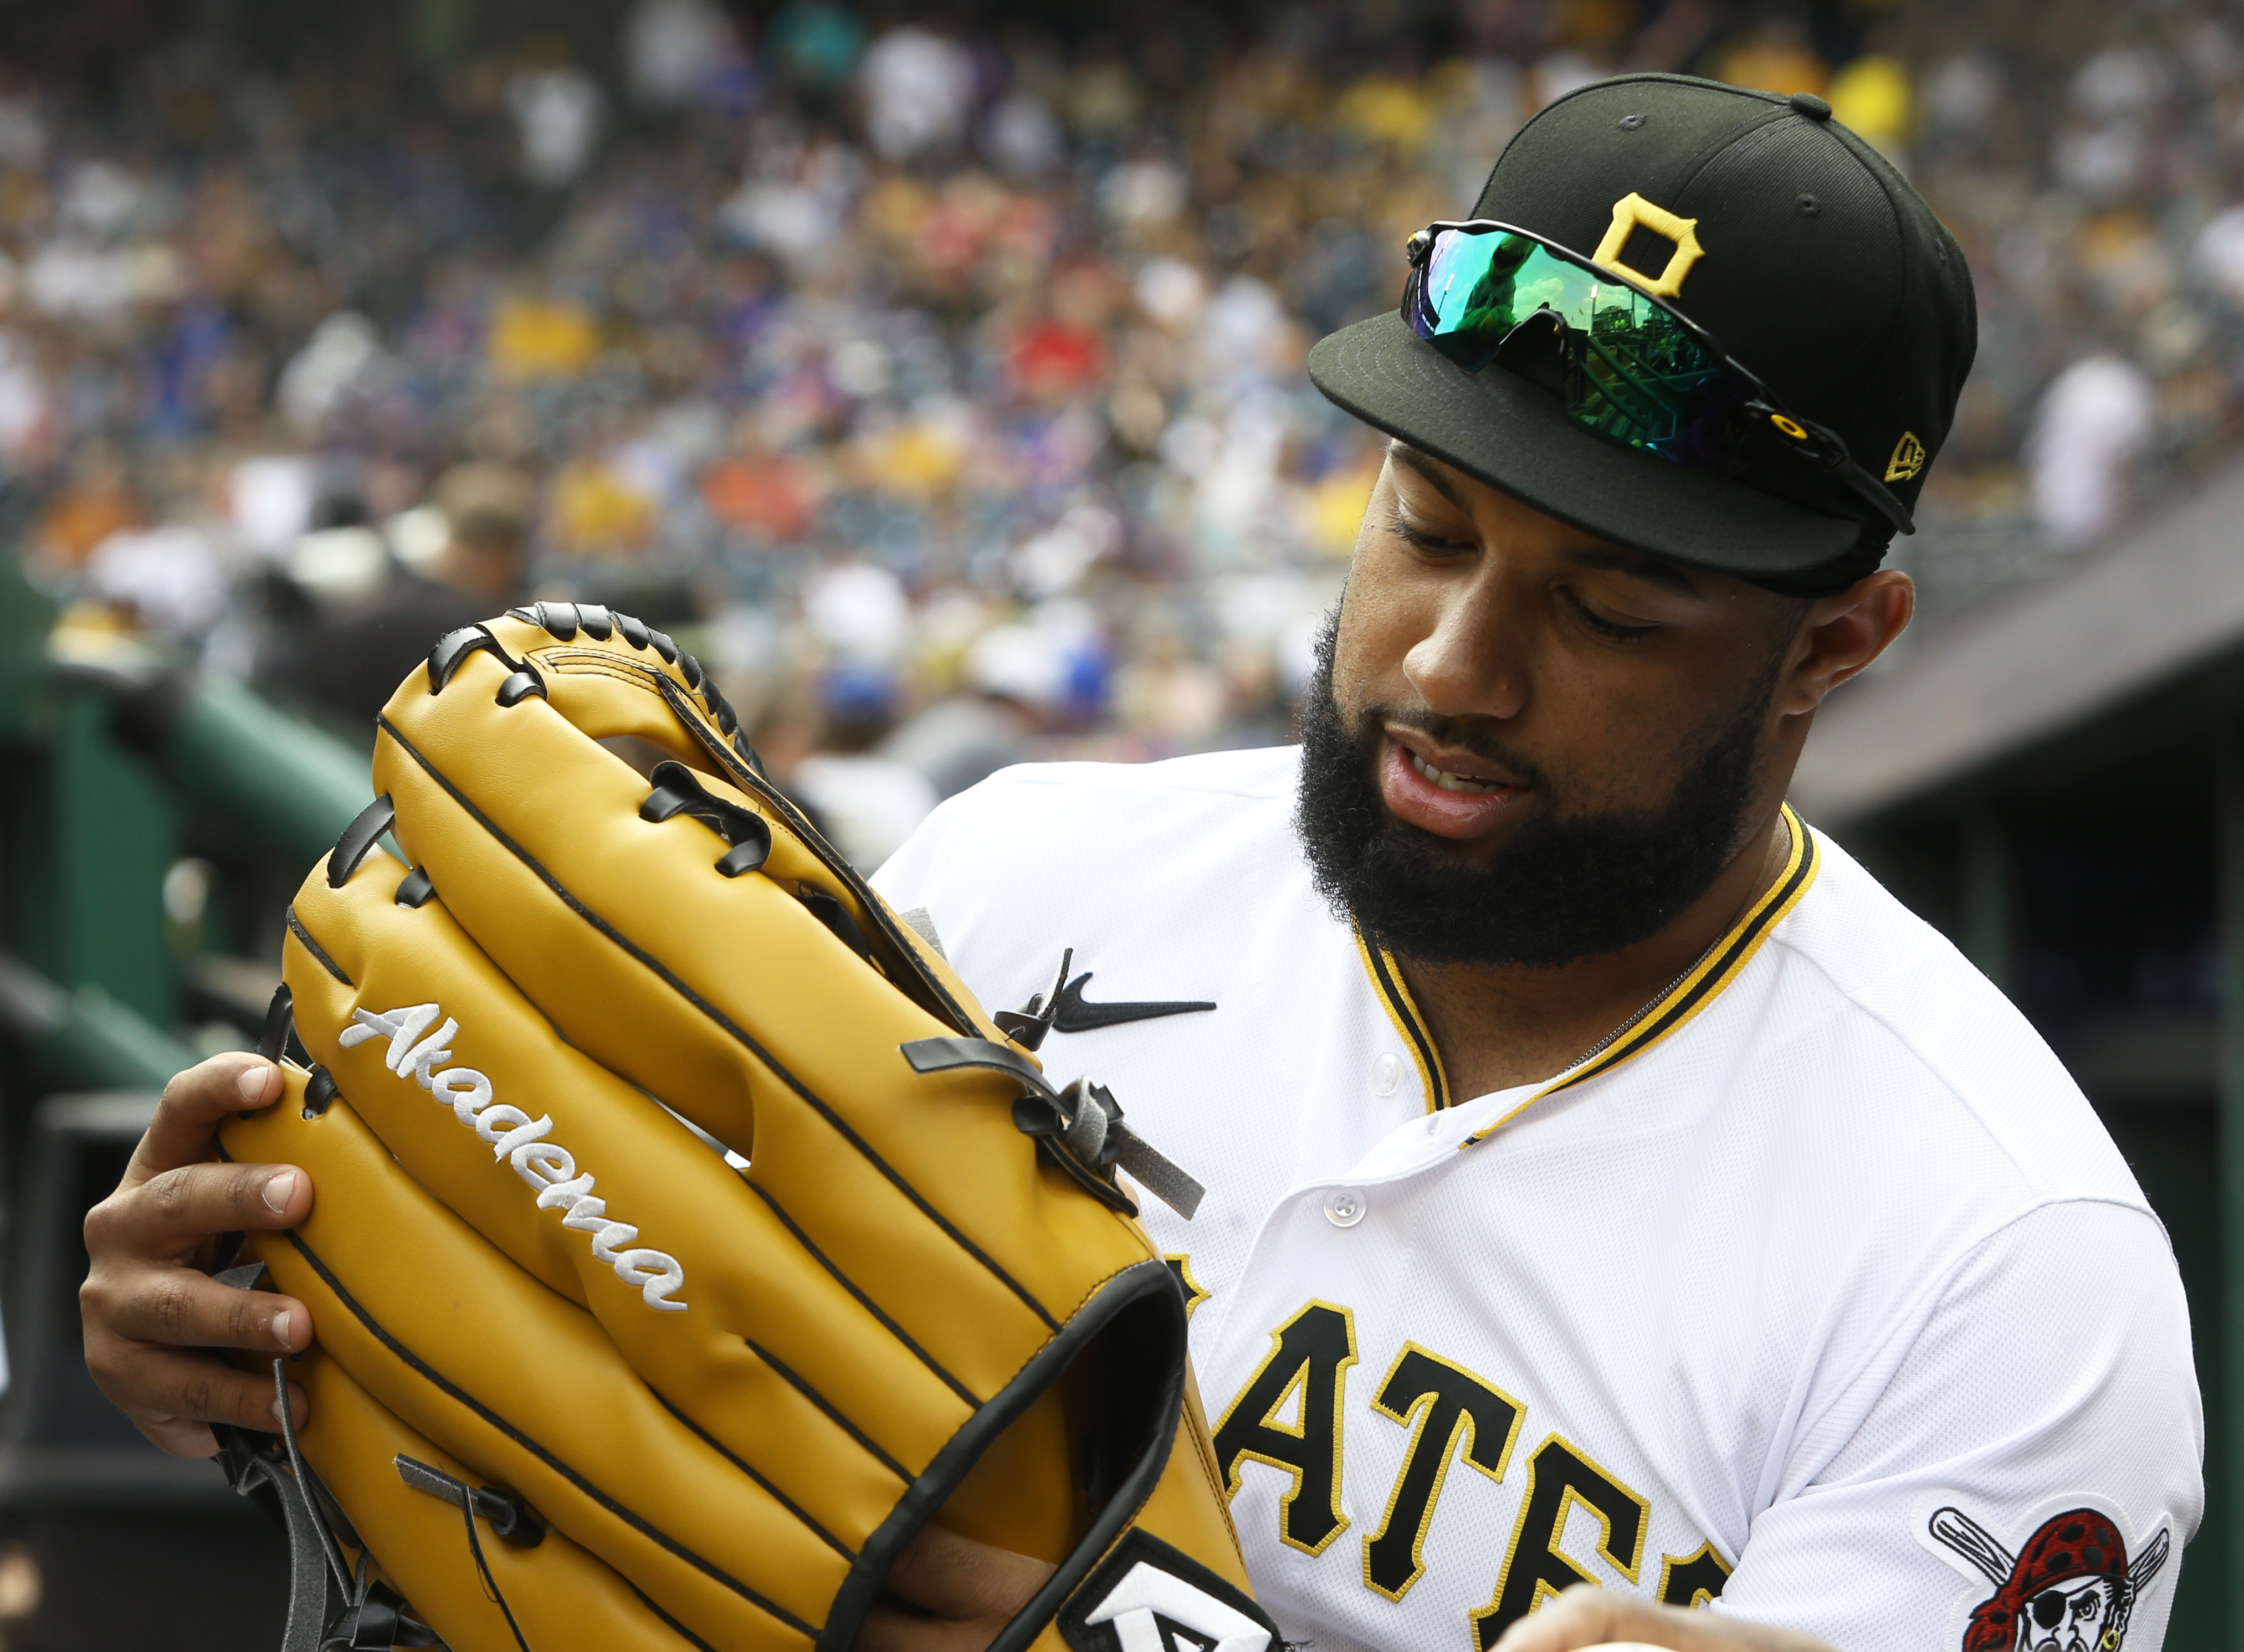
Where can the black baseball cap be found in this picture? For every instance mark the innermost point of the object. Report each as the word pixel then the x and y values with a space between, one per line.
pixel 1818 269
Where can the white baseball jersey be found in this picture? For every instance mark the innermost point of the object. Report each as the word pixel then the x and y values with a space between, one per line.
pixel 1822 1294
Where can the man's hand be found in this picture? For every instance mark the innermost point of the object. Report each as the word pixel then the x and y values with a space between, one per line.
pixel 1587 1615
pixel 149 1304
pixel 948 1594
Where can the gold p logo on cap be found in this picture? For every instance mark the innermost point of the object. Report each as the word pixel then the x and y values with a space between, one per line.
pixel 1632 212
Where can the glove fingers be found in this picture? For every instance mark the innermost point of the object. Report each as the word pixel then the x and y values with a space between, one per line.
pixel 552 871
pixel 555 1594
pixel 550 1408
pixel 725 1270
pixel 615 688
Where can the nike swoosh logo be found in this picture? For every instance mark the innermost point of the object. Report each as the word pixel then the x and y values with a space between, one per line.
pixel 1077 1016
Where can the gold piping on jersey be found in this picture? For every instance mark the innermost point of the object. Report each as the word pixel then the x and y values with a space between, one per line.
pixel 1581 1482
pixel 1309 1514
pixel 1180 1264
pixel 1691 1579
pixel 1706 981
pixel 1418 1037
pixel 1483 1424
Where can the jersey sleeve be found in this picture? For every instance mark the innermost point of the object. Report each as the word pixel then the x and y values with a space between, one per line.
pixel 945 865
pixel 913 876
pixel 958 867
pixel 2042 1410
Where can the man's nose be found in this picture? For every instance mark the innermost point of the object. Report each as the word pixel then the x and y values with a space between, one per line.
pixel 1477 659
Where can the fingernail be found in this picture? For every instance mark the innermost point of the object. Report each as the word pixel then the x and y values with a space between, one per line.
pixel 281 1327
pixel 252 1082
pixel 277 1417
pixel 278 1187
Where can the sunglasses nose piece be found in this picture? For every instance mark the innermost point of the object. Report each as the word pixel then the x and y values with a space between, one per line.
pixel 1536 350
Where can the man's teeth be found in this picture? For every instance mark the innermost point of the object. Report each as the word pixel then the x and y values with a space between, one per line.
pixel 1446 781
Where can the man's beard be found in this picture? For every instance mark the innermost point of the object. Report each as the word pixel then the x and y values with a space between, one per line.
pixel 1560 889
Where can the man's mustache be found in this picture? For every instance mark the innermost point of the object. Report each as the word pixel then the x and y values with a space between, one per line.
pixel 1475 735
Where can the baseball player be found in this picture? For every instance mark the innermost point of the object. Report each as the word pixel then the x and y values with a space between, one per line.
pixel 1617 1202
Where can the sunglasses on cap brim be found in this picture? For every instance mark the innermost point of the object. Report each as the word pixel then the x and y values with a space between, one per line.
pixel 1624 364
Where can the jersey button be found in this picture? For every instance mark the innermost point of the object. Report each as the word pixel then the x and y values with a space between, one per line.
pixel 1386 1074
pixel 1346 1208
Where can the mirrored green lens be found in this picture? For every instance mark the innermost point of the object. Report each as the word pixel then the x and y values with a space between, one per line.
pixel 1477 287
pixel 1633 372
pixel 1474 289
pixel 1621 364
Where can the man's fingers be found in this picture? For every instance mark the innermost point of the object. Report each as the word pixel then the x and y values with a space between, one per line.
pixel 170 1393
pixel 945 1593
pixel 1588 1616
pixel 178 1437
pixel 957 1578
pixel 890 1628
pixel 183 1308
pixel 1582 1617
pixel 149 1312
pixel 170 1214
pixel 194 1104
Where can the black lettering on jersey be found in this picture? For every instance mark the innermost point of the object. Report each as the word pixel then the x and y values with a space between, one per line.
pixel 1180 1264
pixel 1692 1580
pixel 1560 1476
pixel 1309 1356
pixel 1445 1407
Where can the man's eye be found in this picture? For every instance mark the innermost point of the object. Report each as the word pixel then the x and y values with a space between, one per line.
pixel 1420 539
pixel 1600 623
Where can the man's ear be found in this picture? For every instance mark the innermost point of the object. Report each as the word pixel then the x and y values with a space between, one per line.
pixel 1841 634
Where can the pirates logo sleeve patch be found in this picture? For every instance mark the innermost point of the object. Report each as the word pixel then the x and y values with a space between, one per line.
pixel 2072 1584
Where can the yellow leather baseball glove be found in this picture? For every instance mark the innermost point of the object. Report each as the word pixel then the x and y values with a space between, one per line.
pixel 687 1235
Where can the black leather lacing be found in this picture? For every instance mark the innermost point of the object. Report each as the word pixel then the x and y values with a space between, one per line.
pixel 562 621
pixel 471 1500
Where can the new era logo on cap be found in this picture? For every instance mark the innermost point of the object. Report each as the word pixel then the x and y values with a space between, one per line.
pixel 1908 458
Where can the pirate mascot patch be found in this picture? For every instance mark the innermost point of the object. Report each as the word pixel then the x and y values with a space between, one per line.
pixel 2071 1588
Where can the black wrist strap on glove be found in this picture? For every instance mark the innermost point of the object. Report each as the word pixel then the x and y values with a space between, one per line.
pixel 271 1471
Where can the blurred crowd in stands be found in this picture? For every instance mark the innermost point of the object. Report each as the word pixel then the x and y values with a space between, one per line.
pixel 940 385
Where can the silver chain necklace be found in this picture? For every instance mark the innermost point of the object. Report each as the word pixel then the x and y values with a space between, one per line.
pixel 1658 998
pixel 1661 997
